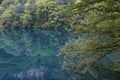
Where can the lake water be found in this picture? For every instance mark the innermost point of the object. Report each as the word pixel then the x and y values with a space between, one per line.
pixel 30 54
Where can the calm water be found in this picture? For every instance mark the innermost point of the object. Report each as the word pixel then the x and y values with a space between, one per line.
pixel 31 55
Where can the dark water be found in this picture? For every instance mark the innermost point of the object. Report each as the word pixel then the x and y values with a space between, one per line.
pixel 30 54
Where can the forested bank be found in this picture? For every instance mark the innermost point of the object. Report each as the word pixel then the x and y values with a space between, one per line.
pixel 74 39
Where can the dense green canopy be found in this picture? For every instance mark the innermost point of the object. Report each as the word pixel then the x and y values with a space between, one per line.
pixel 98 22
pixel 86 33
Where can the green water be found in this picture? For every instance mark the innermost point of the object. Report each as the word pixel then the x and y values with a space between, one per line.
pixel 30 54
pixel 24 50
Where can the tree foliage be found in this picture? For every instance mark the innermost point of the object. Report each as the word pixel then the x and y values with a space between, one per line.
pixel 99 19
pixel 35 15
pixel 94 23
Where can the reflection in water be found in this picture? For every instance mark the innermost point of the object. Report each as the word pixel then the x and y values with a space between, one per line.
pixel 30 54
